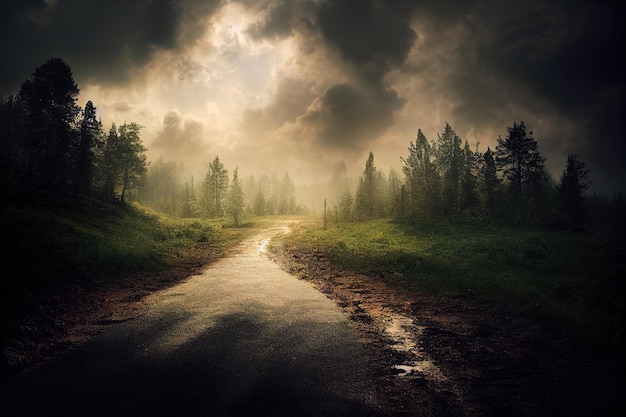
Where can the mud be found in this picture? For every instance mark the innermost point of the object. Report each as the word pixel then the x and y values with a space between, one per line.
pixel 458 356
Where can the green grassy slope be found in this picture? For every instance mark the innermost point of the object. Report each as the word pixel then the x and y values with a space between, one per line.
pixel 52 246
pixel 575 278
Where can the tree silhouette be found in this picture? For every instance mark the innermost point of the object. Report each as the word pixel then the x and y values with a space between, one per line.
pixel 574 182
pixel 235 199
pixel 518 157
pixel 49 102
pixel 421 198
pixel 367 194
pixel 449 160
pixel 490 186
pixel 108 166
pixel 469 196
pixel 90 137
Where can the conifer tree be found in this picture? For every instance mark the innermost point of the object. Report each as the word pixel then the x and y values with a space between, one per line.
pixel 449 160
pixel 367 193
pixel 490 186
pixel 89 139
pixel 107 169
pixel 521 164
pixel 214 188
pixel 235 200
pixel 469 197
pixel 48 98
pixel 574 182
pixel 422 192
pixel 131 157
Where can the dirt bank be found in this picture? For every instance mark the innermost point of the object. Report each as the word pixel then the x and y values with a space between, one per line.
pixel 456 356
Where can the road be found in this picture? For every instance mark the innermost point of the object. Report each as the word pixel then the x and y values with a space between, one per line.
pixel 243 338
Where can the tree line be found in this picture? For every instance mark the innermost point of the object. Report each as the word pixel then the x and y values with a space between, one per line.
pixel 217 196
pixel 49 143
pixel 446 179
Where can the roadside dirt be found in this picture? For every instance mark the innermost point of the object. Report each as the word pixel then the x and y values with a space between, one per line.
pixel 77 313
pixel 456 356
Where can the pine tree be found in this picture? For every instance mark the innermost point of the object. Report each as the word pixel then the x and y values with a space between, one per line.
pixel 48 98
pixel 449 159
pixel 89 139
pixel 469 196
pixel 235 200
pixel 367 193
pixel 518 157
pixel 214 187
pixel 422 191
pixel 490 186
pixel 574 182
pixel 107 167
pixel 132 158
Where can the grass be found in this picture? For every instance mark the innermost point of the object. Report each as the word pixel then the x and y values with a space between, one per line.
pixel 51 246
pixel 575 278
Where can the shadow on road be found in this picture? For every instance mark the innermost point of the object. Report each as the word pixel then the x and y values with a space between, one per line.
pixel 242 365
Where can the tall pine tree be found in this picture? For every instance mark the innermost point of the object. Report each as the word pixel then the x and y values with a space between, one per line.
pixel 449 161
pixel 235 200
pixel 518 157
pixel 574 181
pixel 214 188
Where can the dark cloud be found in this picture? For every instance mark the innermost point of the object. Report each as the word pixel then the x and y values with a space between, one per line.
pixel 101 40
pixel 291 99
pixel 558 63
pixel 481 64
pixel 370 38
pixel 348 117
pixel 566 52
pixel 375 36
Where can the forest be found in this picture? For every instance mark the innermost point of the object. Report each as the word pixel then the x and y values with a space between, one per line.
pixel 50 144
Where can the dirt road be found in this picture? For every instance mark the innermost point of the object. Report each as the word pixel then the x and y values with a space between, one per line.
pixel 244 338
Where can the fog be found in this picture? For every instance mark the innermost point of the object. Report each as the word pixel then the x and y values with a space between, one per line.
pixel 305 87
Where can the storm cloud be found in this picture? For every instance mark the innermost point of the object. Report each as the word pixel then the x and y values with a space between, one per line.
pixel 103 41
pixel 329 80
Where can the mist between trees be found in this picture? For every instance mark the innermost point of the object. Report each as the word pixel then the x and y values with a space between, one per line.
pixel 49 143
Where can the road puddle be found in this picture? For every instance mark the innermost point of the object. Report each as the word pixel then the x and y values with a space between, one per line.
pixel 263 245
pixel 404 336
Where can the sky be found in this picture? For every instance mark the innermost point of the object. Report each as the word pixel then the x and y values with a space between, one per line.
pixel 310 87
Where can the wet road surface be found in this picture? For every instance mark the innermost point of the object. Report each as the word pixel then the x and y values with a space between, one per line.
pixel 244 338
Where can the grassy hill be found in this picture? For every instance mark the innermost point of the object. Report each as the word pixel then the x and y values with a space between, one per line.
pixel 55 249
pixel 574 278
